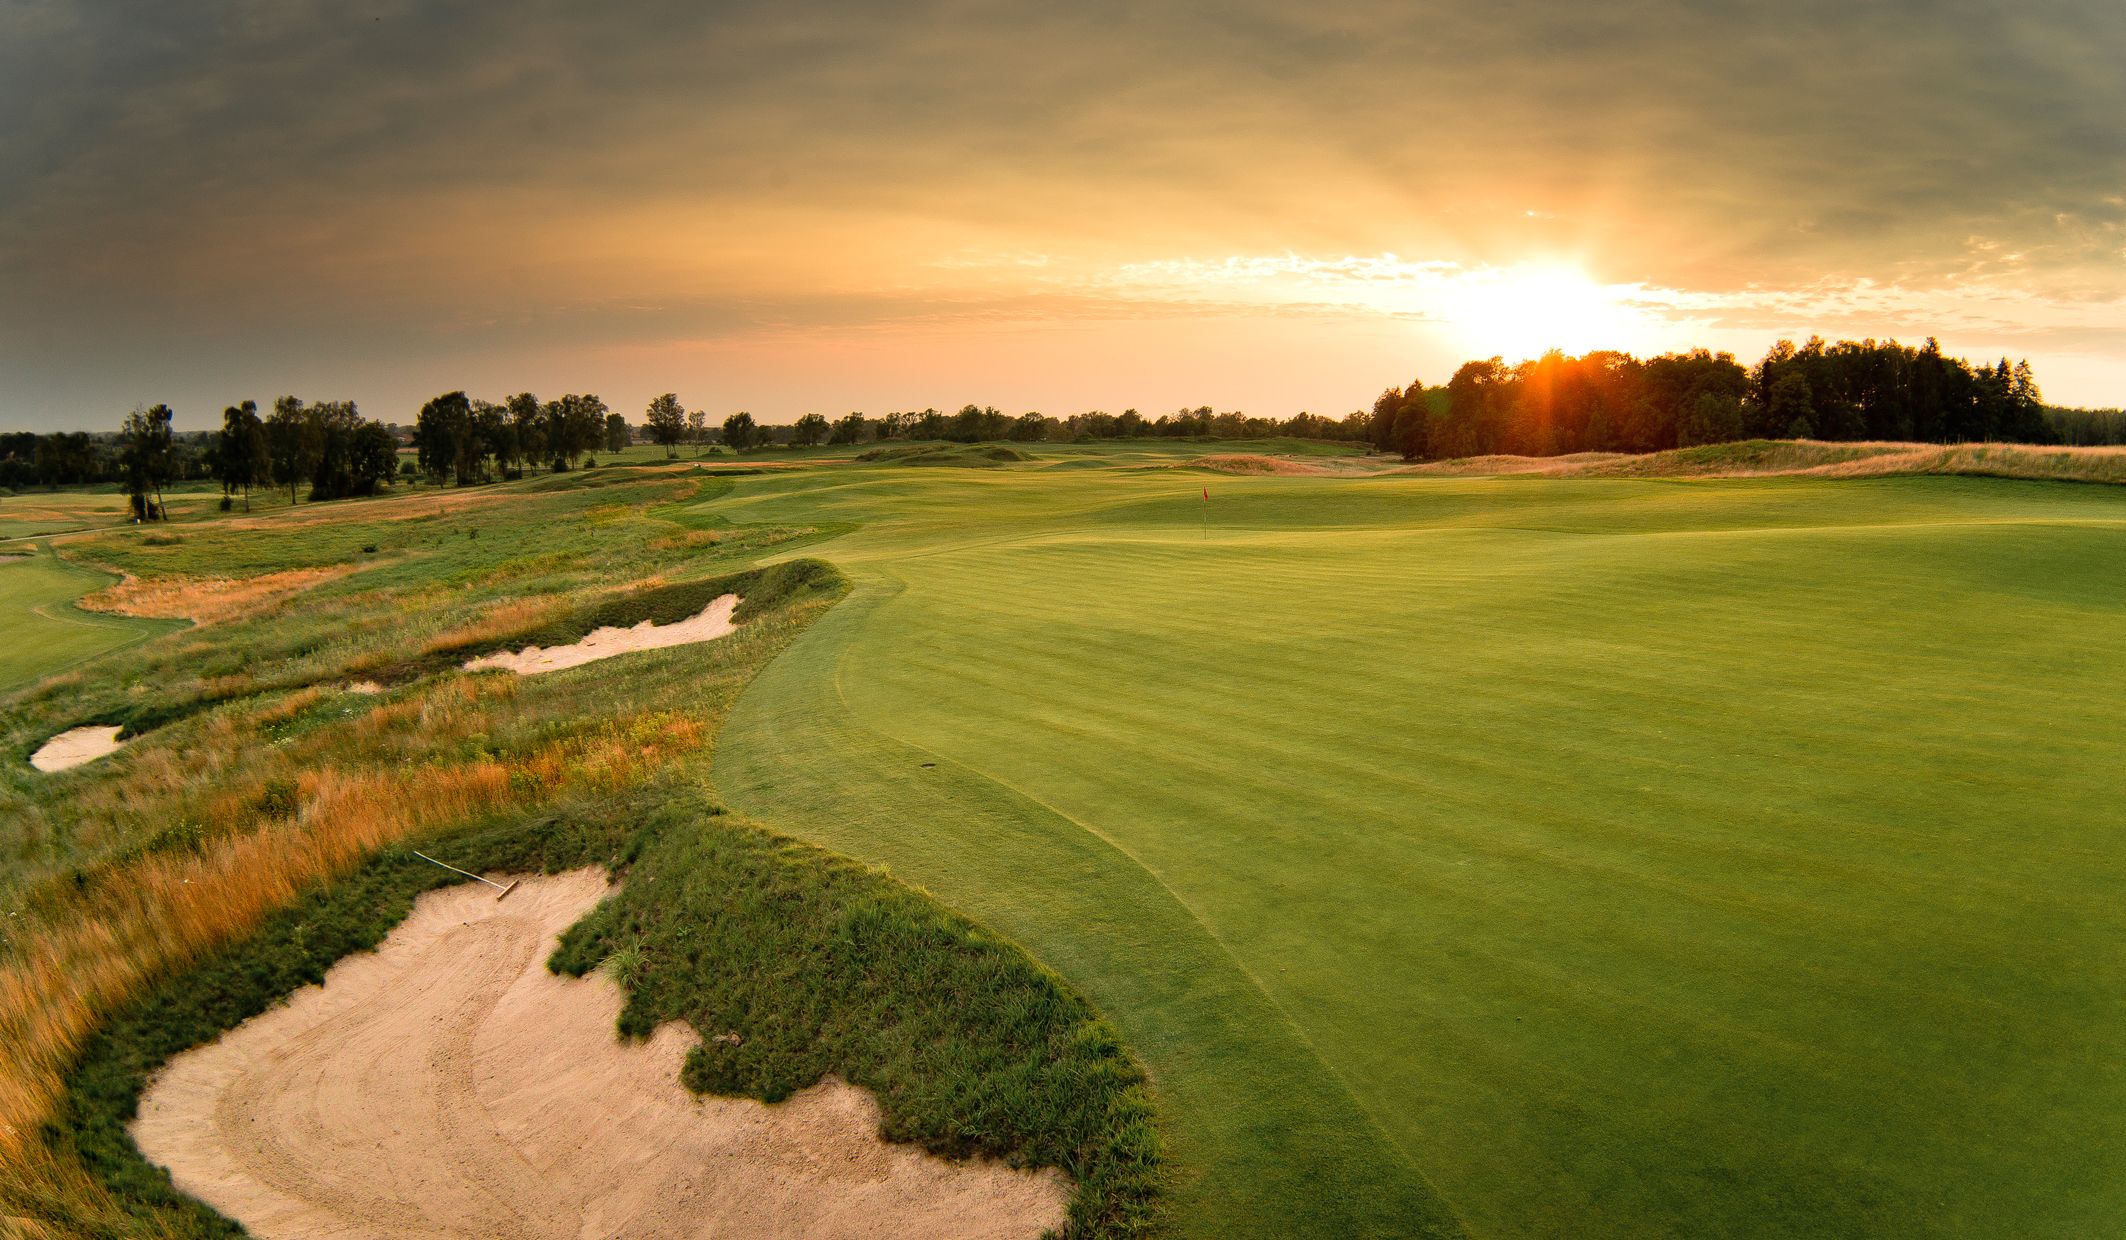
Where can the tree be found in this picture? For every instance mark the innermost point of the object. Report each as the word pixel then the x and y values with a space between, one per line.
pixel 240 455
pixel 1381 426
pixel 698 429
pixel 338 426
pixel 292 443
pixel 667 422
pixel 444 441
pixel 617 434
pixel 1712 418
pixel 809 430
pixel 375 459
pixel 145 453
pixel 527 424
pixel 739 431
pixel 1789 405
pixel 572 426
pixel 1412 425
pixel 848 428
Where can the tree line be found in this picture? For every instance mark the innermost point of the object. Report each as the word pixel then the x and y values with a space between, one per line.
pixel 1599 402
pixel 326 445
pixel 1613 402
pixel 671 425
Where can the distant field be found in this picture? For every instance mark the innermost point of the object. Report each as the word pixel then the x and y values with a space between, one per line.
pixel 45 631
pixel 1544 856
pixel 36 513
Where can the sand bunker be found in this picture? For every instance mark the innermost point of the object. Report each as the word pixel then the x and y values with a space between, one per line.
pixel 713 622
pixel 448 1085
pixel 76 746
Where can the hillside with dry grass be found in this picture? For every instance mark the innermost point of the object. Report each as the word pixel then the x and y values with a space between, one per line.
pixel 1763 458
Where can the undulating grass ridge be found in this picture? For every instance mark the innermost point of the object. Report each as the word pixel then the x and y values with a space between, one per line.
pixel 1639 858
pixel 822 965
pixel 261 830
pixel 1546 855
pixel 819 965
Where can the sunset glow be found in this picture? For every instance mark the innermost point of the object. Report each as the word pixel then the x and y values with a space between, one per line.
pixel 1033 207
pixel 1520 312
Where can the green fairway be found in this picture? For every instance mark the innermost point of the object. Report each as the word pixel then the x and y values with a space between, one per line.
pixel 1529 857
pixel 46 633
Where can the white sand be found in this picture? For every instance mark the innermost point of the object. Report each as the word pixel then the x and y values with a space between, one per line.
pixel 76 746
pixel 713 622
pixel 447 1085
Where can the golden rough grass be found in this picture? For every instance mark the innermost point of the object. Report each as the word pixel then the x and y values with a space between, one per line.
pixel 2065 464
pixel 205 600
pixel 154 914
pixel 686 540
pixel 164 910
pixel 408 507
pixel 1812 458
pixel 1248 463
pixel 1493 465
pixel 504 619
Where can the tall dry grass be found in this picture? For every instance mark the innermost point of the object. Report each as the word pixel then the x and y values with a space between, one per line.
pixel 1760 458
pixel 208 600
pixel 151 915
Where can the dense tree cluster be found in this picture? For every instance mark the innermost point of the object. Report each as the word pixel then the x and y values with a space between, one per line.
pixel 90 458
pixel 2087 427
pixel 462 440
pixel 1613 402
pixel 326 444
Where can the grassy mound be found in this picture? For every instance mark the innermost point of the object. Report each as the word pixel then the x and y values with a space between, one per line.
pixel 1745 458
pixel 1248 464
pixel 970 455
pixel 1764 458
pixel 822 966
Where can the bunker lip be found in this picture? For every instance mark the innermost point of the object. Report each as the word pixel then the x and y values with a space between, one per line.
pixel 75 746
pixel 447 1083
pixel 710 623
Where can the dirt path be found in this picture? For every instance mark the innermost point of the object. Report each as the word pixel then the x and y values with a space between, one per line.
pixel 447 1085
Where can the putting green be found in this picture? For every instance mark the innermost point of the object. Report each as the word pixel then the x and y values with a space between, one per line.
pixel 46 632
pixel 1561 857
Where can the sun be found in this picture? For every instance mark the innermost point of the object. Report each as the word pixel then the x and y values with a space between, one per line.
pixel 1526 310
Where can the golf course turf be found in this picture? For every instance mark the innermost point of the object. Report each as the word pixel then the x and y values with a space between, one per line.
pixel 1459 855
pixel 1574 857
pixel 46 631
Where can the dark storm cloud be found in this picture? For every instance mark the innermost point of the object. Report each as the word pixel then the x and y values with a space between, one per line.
pixel 385 170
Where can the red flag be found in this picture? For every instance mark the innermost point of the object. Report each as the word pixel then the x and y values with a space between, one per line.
pixel 1206 495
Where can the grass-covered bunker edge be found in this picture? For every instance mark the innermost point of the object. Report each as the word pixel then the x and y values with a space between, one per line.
pixel 820 964
pixel 760 590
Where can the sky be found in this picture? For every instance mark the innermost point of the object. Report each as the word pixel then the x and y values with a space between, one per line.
pixel 1056 207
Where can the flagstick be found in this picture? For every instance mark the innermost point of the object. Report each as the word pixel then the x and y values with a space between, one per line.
pixel 1206 514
